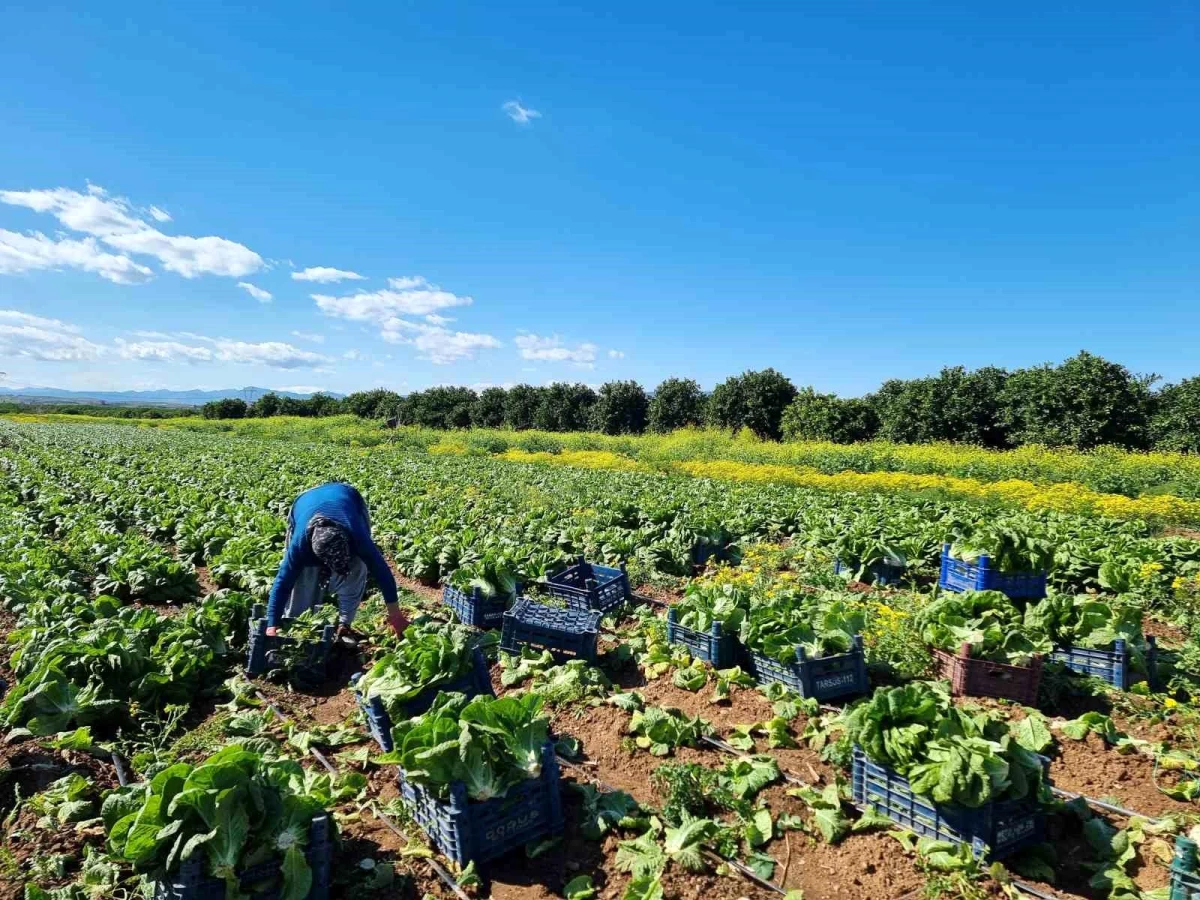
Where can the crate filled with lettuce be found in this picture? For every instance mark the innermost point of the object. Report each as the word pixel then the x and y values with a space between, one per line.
pixel 479 775
pixel 300 649
pixel 479 591
pixel 431 658
pixel 239 824
pixel 945 772
pixel 997 557
pixel 1097 636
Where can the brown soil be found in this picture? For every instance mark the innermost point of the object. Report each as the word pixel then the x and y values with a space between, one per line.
pixel 657 593
pixel 745 706
pixel 1168 635
pixel 207 585
pixel 1091 767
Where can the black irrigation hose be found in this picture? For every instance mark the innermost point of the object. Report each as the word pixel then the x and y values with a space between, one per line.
pixel 1100 804
pixel 1032 891
pixel 122 778
pixel 744 870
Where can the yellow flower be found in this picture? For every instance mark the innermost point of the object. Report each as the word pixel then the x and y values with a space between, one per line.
pixel 1170 703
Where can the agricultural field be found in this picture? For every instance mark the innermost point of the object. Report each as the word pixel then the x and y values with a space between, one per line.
pixel 131 559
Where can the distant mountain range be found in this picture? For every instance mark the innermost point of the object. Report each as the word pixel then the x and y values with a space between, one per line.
pixel 141 398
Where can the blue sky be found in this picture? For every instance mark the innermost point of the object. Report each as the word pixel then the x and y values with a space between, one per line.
pixel 847 192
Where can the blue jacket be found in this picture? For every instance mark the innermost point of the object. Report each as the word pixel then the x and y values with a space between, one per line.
pixel 344 505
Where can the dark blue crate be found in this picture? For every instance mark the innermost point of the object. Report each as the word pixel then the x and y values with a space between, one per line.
pixel 994 830
pixel 476 682
pixel 191 882
pixel 261 655
pixel 841 675
pixel 566 633
pixel 587 586
pixel 475 609
pixel 1185 879
pixel 476 831
pixel 881 573
pixel 960 576
pixel 721 650
pixel 1112 665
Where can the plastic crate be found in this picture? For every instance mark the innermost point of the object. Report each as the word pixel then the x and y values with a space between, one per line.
pixel 971 677
pixel 994 830
pixel 566 633
pixel 474 608
pixel 959 576
pixel 191 882
pixel 476 831
pixel 1185 879
pixel 475 682
pixel 841 675
pixel 586 586
pixel 721 650
pixel 879 573
pixel 1112 665
pixel 261 655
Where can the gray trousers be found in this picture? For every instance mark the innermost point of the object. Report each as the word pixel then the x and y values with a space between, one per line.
pixel 349 588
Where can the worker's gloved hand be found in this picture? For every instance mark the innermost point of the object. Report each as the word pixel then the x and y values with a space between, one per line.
pixel 397 620
pixel 272 631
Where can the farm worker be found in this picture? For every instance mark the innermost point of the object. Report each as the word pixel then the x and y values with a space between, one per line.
pixel 329 543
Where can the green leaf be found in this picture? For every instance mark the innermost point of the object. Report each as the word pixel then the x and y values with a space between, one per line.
pixel 1033 734
pixel 579 888
pixel 297 875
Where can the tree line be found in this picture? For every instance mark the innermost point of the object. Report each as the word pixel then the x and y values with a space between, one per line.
pixel 1083 402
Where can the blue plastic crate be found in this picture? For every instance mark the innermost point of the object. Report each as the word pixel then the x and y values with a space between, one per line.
pixel 959 576
pixel 476 831
pixel 587 586
pixel 474 683
pixel 880 573
pixel 566 633
pixel 1112 665
pixel 1185 879
pixel 474 608
pixel 721 650
pixel 841 675
pixel 994 830
pixel 191 882
pixel 261 655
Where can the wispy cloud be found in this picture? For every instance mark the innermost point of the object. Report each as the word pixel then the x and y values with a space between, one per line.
pixel 411 296
pixel 520 114
pixel 158 214
pixel 274 354
pixel 311 337
pixel 552 349
pixel 326 275
pixel 29 252
pixel 256 292
pixel 616 354
pixel 117 225
pixel 36 337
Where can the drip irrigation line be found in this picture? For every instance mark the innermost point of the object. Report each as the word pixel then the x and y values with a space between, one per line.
pixel 122 778
pixel 433 863
pixel 1100 804
pixel 321 758
pixel 1032 891
pixel 741 868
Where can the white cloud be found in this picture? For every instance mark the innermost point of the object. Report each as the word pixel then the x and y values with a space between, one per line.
pixel 411 296
pixel 163 351
pixel 114 221
pixel 520 114
pixel 28 252
pixel 159 215
pixel 352 354
pixel 551 349
pixel 326 275
pixel 50 340
pixel 309 336
pixel 616 354
pixel 256 292
pixel 276 354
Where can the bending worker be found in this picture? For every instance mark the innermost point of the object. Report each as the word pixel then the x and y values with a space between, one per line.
pixel 329 544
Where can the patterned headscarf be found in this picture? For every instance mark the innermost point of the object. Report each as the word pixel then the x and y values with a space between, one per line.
pixel 330 544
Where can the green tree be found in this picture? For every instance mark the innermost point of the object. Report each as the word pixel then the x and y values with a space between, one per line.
pixel 677 403
pixel 377 404
pixel 265 406
pixel 565 407
pixel 321 404
pixel 488 410
pixel 520 406
pixel 1085 402
pixel 754 400
pixel 438 407
pixel 826 417
pixel 620 408
pixel 955 405
pixel 1176 422
pixel 227 408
